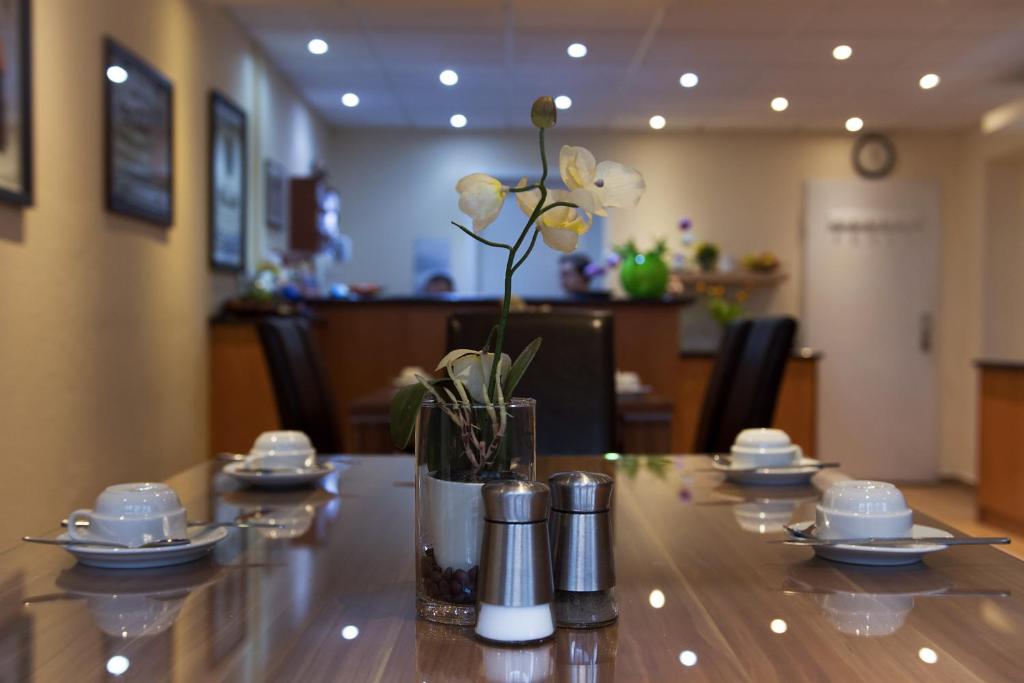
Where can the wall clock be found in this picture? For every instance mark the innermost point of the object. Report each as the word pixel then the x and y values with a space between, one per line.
pixel 874 155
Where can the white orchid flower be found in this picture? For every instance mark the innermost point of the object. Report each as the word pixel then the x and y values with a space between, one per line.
pixel 481 198
pixel 596 186
pixel 561 226
pixel 473 369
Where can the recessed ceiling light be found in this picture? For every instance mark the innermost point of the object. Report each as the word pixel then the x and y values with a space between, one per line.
pixel 577 50
pixel 688 79
pixel 449 77
pixel 117 74
pixel 780 104
pixel 929 81
pixel 842 52
pixel 657 122
pixel 854 123
pixel 317 46
pixel 458 121
pixel 563 101
pixel 350 99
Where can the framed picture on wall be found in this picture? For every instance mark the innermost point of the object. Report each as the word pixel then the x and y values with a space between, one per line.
pixel 139 135
pixel 228 180
pixel 15 102
pixel 276 193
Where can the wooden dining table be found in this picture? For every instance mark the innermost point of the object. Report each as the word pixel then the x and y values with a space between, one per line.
pixel 330 595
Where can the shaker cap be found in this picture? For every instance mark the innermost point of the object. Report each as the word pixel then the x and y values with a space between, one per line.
pixel 580 491
pixel 516 502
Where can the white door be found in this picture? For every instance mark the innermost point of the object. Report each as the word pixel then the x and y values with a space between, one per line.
pixel 870 283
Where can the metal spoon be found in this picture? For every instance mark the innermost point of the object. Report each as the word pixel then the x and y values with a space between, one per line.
pixel 897 542
pixel 727 462
pixel 84 524
pixel 161 543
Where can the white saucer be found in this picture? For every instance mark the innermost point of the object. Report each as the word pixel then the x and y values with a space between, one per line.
pixel 766 477
pixel 881 556
pixel 283 479
pixel 145 558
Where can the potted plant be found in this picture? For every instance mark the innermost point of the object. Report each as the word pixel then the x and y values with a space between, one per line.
pixel 468 426
pixel 643 275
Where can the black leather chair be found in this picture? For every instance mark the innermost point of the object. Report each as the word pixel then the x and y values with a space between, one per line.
pixel 716 396
pixel 755 384
pixel 304 399
pixel 572 377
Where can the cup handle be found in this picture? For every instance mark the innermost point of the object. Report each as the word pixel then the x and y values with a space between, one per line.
pixel 73 531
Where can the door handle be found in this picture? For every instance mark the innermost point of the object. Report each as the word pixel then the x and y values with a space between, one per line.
pixel 924 339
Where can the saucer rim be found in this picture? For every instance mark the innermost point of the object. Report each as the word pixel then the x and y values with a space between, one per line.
pixel 800 466
pixel 917 530
pixel 203 539
pixel 319 469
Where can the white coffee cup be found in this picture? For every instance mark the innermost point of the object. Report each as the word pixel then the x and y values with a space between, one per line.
pixel 282 449
pixel 863 509
pixel 764 447
pixel 132 514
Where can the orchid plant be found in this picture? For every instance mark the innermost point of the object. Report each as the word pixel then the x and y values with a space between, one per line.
pixel 471 382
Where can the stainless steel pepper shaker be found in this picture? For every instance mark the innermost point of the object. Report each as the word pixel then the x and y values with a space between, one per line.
pixel 515 588
pixel 581 547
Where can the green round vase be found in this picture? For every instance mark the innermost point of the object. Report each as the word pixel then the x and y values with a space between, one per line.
pixel 644 276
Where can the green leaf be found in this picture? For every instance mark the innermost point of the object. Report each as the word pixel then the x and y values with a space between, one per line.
pixel 518 368
pixel 404 408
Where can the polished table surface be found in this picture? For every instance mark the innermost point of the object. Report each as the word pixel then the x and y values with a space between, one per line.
pixel 702 596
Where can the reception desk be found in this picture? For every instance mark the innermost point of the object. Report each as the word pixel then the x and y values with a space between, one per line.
pixel 1000 435
pixel 365 344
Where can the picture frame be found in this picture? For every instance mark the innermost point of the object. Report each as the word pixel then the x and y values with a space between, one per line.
pixel 275 191
pixel 16 102
pixel 139 137
pixel 228 183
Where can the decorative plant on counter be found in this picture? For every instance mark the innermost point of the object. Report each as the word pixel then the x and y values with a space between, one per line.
pixel 467 424
pixel 644 275
pixel 559 217
pixel 706 256
pixel 723 309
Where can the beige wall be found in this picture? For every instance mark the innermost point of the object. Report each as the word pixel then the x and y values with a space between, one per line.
pixel 743 190
pixel 103 355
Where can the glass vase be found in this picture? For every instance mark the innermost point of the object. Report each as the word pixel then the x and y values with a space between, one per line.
pixel 459 447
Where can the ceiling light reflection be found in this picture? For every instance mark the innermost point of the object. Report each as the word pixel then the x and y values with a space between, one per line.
pixel 854 123
pixel 688 658
pixel 350 632
pixel 657 122
pixel 350 99
pixel 458 121
pixel 689 79
pixel 779 626
pixel 563 101
pixel 317 46
pixel 842 52
pixel 117 665
pixel 656 598
pixel 448 77
pixel 117 74
pixel 780 104
pixel 927 655
pixel 929 81
pixel 577 50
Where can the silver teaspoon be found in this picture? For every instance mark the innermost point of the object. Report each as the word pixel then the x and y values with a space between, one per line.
pixel 161 543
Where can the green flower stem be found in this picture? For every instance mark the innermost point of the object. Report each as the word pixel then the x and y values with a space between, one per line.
pixel 510 267
pixel 533 241
pixel 523 189
pixel 478 238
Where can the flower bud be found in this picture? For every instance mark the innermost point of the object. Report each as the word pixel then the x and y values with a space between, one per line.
pixel 544 114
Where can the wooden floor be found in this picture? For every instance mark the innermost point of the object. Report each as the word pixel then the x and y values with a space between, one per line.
pixel 954 503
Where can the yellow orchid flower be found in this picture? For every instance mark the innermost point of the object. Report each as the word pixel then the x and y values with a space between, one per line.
pixel 596 186
pixel 561 226
pixel 481 198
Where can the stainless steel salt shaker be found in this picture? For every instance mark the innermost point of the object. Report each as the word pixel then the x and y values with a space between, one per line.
pixel 581 546
pixel 515 588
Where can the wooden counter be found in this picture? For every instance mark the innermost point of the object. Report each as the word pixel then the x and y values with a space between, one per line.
pixel 1001 444
pixel 366 344
pixel 702 597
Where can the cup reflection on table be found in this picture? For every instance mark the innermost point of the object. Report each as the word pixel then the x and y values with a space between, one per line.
pixel 587 654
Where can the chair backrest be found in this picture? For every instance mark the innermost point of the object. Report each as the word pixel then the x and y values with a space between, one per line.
pixel 716 396
pixel 572 378
pixel 304 399
pixel 755 385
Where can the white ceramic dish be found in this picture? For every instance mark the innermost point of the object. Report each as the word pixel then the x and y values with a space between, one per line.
pixel 282 449
pixel 131 514
pixel 145 558
pixel 863 509
pixel 792 475
pixel 881 556
pixel 276 480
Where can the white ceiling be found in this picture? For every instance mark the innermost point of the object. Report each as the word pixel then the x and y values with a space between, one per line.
pixel 746 52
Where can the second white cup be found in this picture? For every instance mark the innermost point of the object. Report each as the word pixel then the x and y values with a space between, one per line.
pixel 132 514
